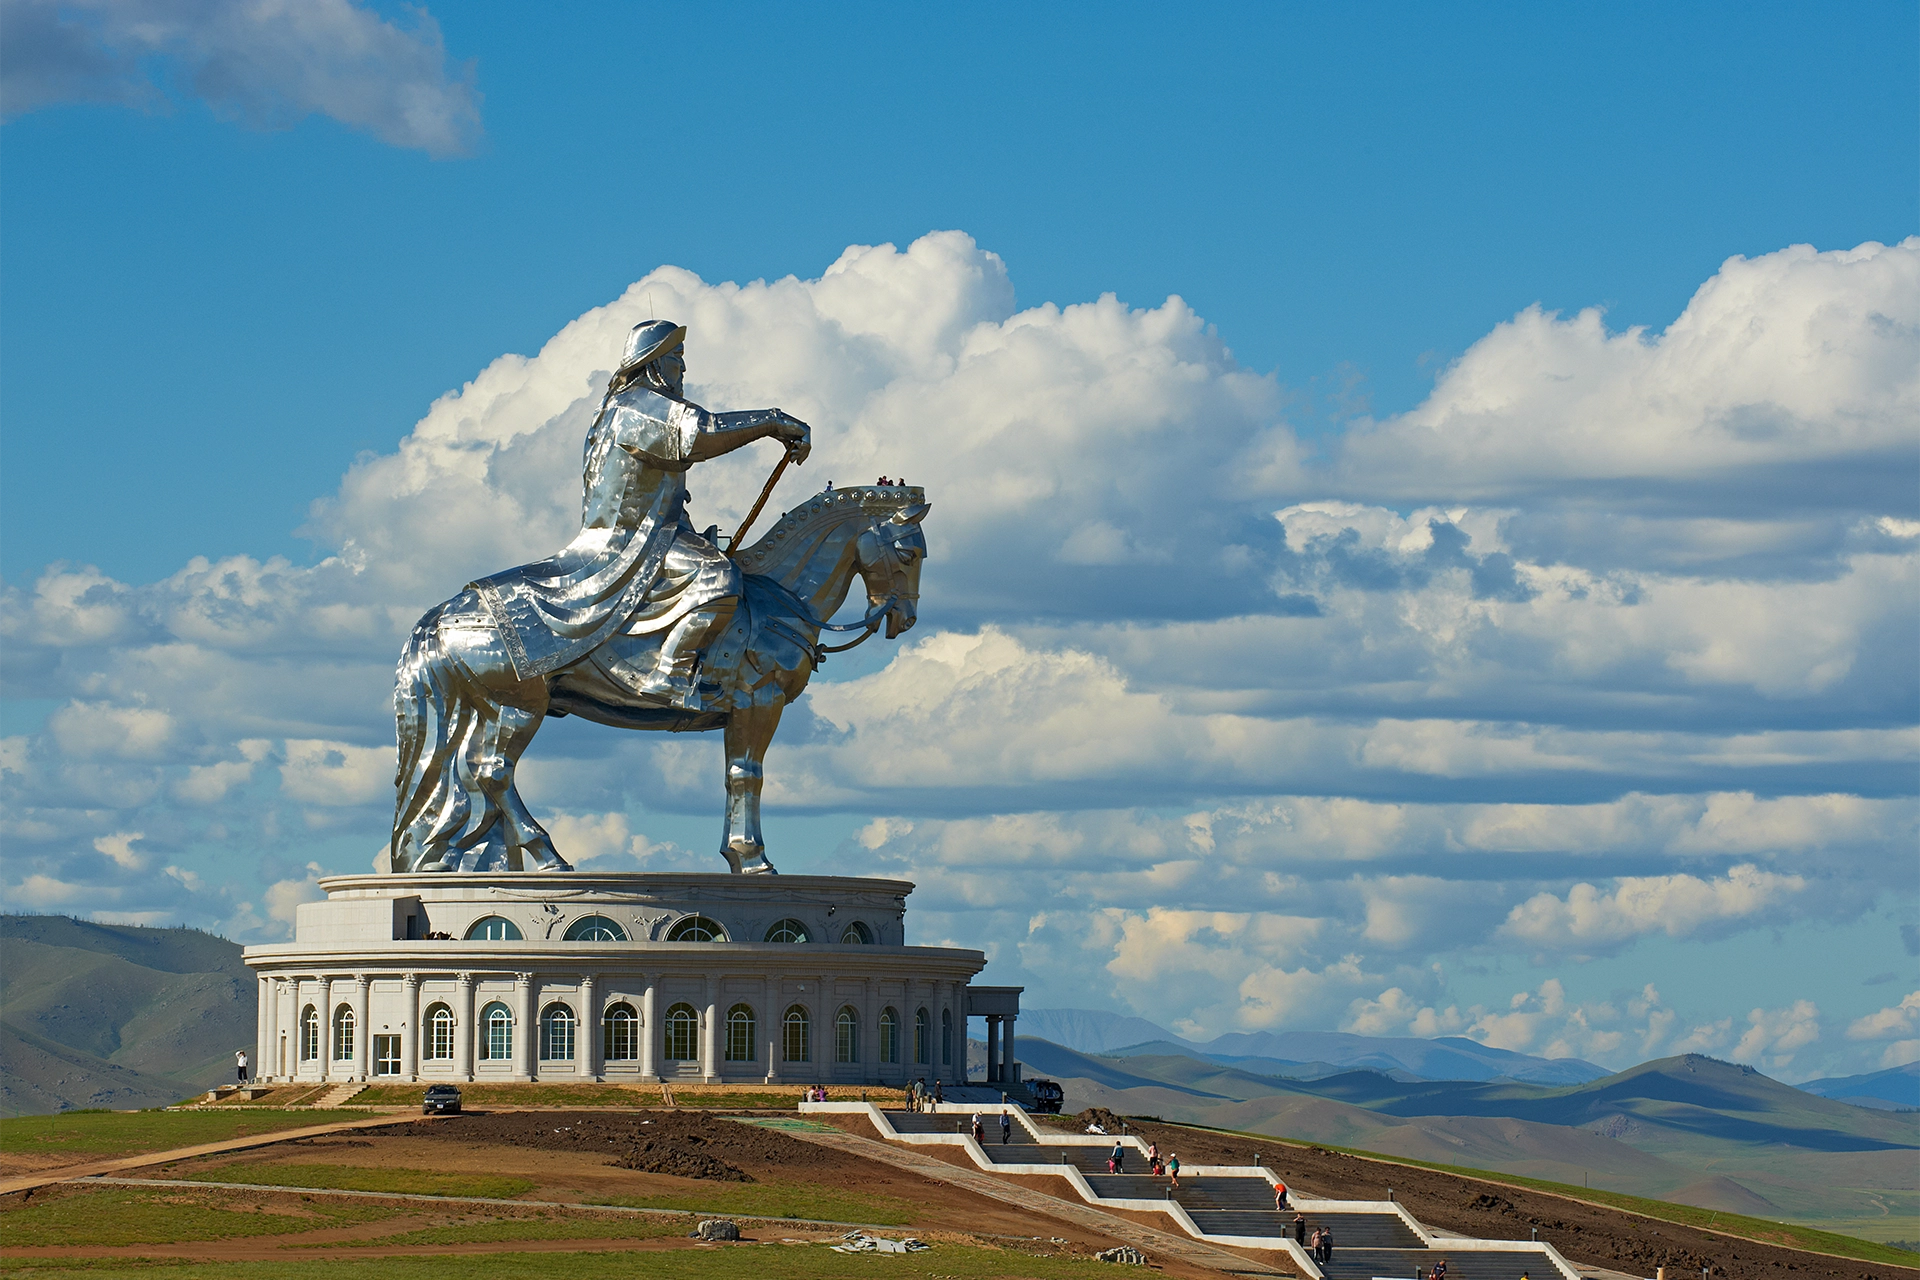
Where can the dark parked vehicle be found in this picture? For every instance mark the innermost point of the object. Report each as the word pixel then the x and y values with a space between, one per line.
pixel 443 1100
pixel 1047 1096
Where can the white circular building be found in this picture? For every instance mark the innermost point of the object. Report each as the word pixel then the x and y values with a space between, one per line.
pixel 570 976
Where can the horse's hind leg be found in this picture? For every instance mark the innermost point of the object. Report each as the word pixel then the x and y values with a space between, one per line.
pixel 749 730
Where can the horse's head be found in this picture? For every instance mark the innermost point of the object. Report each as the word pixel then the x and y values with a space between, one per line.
pixel 890 555
pixel 817 548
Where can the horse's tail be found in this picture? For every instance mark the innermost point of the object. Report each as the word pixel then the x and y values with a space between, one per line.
pixel 427 721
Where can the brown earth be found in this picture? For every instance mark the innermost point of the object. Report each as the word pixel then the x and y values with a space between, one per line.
pixel 1589 1235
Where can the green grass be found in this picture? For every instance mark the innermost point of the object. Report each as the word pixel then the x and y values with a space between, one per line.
pixel 747 1262
pixel 346 1177
pixel 513 1229
pixel 142 1215
pixel 778 1200
pixel 523 1095
pixel 1762 1230
pixel 126 1133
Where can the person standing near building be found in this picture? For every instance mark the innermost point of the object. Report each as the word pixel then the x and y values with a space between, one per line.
pixel 1173 1169
pixel 1006 1127
pixel 240 1065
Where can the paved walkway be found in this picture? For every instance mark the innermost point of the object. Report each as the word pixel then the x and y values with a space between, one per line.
pixel 1145 1238
pixel 67 1173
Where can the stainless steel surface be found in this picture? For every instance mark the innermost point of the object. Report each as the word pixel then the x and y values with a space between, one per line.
pixel 639 623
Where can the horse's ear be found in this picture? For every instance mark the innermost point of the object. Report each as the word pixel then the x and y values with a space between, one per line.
pixel 914 514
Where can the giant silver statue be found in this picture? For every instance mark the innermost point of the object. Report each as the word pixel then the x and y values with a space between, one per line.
pixel 640 622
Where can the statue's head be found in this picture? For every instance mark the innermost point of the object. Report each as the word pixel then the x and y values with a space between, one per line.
pixel 653 356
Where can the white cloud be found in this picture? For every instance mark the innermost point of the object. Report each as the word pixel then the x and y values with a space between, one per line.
pixel 119 847
pixel 1778 361
pixel 1902 1019
pixel 337 773
pixel 1677 905
pixel 284 897
pixel 1773 1035
pixel 268 63
pixel 1539 699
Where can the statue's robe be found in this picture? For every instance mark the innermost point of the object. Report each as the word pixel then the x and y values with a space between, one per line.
pixel 637 565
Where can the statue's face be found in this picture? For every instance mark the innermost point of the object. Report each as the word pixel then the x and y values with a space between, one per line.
pixel 672 372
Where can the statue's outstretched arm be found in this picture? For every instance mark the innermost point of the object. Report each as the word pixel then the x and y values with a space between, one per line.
pixel 724 432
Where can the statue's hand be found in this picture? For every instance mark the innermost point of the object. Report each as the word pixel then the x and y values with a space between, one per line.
pixel 797 435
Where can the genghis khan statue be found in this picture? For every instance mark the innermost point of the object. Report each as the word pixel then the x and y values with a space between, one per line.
pixel 638 567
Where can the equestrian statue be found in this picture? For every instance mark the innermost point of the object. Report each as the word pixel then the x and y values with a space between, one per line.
pixel 641 623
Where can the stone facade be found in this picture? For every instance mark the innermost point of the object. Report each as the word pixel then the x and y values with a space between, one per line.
pixel 576 977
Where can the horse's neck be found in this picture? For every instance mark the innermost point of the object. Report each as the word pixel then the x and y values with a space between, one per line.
pixel 820 562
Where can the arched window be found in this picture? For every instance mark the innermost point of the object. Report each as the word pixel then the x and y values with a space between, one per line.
pixel 846 1036
pixel 889 1035
pixel 787 931
pixel 683 1034
pixel 697 929
pixel 493 929
pixel 556 1034
pixel 309 1034
pixel 496 1033
pixel 857 932
pixel 922 1037
pixel 740 1046
pixel 595 929
pixel 440 1033
pixel 946 1037
pixel 796 1036
pixel 343 1024
pixel 621 1033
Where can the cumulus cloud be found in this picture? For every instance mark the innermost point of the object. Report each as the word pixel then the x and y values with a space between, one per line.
pixel 1546 658
pixel 1898 1021
pixel 1679 905
pixel 1773 1035
pixel 266 63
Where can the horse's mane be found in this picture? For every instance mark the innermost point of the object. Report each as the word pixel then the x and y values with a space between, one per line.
pixel 828 507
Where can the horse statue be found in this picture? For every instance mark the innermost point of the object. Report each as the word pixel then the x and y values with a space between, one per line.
pixel 465 714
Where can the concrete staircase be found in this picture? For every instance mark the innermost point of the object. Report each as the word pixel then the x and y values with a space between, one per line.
pixel 1230 1205
pixel 338 1095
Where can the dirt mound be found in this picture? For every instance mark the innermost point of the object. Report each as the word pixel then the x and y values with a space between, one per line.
pixel 1101 1116
pixel 685 1144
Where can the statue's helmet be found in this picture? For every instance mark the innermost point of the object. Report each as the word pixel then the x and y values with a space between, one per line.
pixel 649 342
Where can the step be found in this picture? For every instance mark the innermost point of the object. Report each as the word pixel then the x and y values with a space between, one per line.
pixel 1462 1264
pixel 338 1095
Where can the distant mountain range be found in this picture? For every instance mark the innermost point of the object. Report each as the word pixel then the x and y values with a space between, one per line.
pixel 1896 1088
pixel 1690 1129
pixel 100 1015
pixel 1305 1055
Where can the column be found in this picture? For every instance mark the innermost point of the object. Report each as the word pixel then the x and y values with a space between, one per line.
pixel 1009 1061
pixel 362 1029
pixel 465 1033
pixel 526 1044
pixel 263 1030
pixel 649 1032
pixel 710 1030
pixel 869 1032
pixel 770 1015
pixel 993 1048
pixel 326 1028
pixel 826 1028
pixel 587 1053
pixel 410 1026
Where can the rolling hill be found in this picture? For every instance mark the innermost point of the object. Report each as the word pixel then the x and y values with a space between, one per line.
pixel 97 1015
pixel 1894 1088
pixel 1305 1054
pixel 1690 1129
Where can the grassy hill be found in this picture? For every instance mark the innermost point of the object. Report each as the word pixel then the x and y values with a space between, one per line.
pixel 1896 1088
pixel 97 1015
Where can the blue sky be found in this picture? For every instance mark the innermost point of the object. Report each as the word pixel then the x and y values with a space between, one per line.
pixel 1437 649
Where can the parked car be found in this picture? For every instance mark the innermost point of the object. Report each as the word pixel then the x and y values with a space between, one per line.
pixel 1047 1096
pixel 444 1100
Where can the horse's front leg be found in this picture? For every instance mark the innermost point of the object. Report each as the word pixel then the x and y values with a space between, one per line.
pixel 747 735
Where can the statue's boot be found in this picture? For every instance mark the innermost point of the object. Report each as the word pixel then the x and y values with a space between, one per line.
pixel 672 679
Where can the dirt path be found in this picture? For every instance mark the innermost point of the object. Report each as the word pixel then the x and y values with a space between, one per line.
pixel 93 1168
